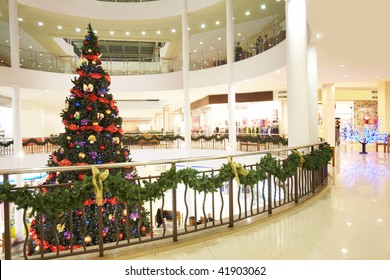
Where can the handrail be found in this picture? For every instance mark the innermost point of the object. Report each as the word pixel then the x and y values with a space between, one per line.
pixel 151 162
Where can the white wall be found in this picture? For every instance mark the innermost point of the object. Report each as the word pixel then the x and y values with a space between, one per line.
pixel 38 124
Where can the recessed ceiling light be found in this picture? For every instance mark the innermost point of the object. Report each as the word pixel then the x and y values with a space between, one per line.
pixel 247 13
pixel 342 65
pixel 6 41
pixel 346 76
pixel 30 47
pixel 173 30
pixel 217 22
pixel 143 33
pixel 318 35
pixel 195 51
pixel 201 42
pixel 20 19
pixel 95 31
pixel 127 33
pixel 40 23
pixel 219 38
pixel 158 32
pixel 239 34
pixel 203 25
pixel 112 32
pixel 263 6
pixel 277 71
pixel 78 29
pixel 188 28
pixel 59 27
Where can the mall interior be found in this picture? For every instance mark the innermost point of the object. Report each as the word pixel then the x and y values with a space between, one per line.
pixel 310 71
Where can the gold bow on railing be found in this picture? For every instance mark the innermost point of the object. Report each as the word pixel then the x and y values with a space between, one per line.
pixel 237 169
pixel 97 180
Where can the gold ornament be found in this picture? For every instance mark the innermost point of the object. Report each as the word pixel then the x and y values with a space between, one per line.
pixel 124 212
pixel 108 112
pixel 68 137
pixel 89 50
pixel 81 155
pixel 88 239
pixel 95 123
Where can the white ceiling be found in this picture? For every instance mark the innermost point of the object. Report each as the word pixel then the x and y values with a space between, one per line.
pixel 352 44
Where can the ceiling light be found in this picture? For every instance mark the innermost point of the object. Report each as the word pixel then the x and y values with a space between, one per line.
pixel 239 34
pixel 173 30
pixel 30 47
pixel 158 32
pixel 341 65
pixel 59 27
pixel 112 33
pixel 247 13
pixel 318 35
pixel 203 25
pixel 95 31
pixel 201 42
pixel 217 22
pixel 127 33
pixel 143 33
pixel 263 6
pixel 188 28
pixel 78 29
pixel 20 19
pixel 194 51
pixel 346 76
pixel 40 23
pixel 219 38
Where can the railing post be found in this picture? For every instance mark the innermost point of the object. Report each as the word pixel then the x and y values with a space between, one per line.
pixel 174 214
pixel 100 230
pixel 296 186
pixel 231 210
pixel 269 194
pixel 7 229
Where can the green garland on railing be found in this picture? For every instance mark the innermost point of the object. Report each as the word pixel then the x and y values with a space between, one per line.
pixel 263 139
pixel 58 200
pixel 6 144
pixel 53 141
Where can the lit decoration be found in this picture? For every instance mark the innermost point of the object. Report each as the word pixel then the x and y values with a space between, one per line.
pixel 366 135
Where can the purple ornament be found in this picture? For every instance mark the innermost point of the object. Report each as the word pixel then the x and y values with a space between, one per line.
pixel 84 121
pixel 93 155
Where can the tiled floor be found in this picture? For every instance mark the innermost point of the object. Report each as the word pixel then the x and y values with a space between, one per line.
pixel 348 220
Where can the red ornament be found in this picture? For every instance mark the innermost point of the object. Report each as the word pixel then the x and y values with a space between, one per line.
pixel 52 175
pixel 65 162
pixel 104 234
pixel 92 97
pixel 124 220
pixel 120 236
pixel 73 126
pixel 89 108
pixel 143 229
pixel 101 147
pixel 80 177
pixel 71 145
pixel 79 213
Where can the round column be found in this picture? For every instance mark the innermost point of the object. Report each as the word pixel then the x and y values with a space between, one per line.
pixel 312 73
pixel 186 69
pixel 297 94
pixel 231 88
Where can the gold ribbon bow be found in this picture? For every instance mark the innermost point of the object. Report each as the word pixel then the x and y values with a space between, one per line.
pixel 237 169
pixel 97 180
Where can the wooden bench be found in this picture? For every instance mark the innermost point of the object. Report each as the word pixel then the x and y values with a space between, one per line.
pixel 250 144
pixel 385 144
pixel 168 215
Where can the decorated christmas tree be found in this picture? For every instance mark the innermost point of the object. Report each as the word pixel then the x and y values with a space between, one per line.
pixel 93 135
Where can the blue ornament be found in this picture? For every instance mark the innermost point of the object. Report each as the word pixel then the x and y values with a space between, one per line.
pixel 77 104
pixel 99 161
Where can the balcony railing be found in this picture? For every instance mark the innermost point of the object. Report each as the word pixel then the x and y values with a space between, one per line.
pixel 185 195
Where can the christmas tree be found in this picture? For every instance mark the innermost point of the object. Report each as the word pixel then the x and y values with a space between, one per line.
pixel 93 135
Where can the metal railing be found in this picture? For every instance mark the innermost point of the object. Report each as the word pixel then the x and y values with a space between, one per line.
pixel 186 205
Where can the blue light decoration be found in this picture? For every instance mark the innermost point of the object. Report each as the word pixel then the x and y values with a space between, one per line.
pixel 366 135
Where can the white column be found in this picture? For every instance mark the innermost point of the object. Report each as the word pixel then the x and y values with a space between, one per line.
pixel 283 123
pixel 328 113
pixel 312 79
pixel 186 69
pixel 166 119
pixel 297 95
pixel 383 104
pixel 16 106
pixel 231 88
